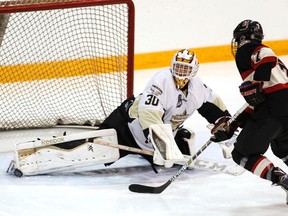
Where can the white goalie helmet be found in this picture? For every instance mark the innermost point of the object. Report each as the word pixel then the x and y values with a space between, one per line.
pixel 184 66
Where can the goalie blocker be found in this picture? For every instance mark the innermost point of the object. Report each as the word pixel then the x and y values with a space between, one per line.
pixel 166 150
pixel 64 153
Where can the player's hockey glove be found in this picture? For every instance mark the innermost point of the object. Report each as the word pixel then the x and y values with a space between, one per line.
pixel 252 92
pixel 222 130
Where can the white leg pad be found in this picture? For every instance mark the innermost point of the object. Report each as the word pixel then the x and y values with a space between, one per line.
pixel 49 159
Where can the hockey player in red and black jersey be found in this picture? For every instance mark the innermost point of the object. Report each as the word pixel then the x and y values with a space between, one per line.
pixel 265 121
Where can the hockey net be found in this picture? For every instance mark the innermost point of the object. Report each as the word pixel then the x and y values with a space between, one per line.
pixel 64 61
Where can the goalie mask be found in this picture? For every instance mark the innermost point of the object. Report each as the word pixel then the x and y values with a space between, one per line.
pixel 246 31
pixel 184 66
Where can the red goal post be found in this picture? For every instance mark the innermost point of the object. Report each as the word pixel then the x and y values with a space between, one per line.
pixel 64 61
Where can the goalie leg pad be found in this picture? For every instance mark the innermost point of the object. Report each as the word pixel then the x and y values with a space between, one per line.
pixel 47 159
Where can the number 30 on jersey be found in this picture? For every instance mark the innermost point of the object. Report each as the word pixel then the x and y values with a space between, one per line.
pixel 152 100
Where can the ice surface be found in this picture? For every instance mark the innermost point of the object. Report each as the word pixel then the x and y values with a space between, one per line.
pixel 104 191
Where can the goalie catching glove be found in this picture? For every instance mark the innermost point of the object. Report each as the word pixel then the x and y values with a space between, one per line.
pixel 223 130
pixel 252 92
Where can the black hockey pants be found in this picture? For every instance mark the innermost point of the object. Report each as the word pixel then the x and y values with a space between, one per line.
pixel 119 120
pixel 258 134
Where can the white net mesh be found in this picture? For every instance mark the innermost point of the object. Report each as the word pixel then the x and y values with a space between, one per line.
pixel 66 65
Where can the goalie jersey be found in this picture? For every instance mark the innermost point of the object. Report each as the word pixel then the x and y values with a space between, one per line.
pixel 162 103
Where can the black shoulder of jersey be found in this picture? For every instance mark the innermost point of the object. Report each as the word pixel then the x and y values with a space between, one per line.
pixel 243 55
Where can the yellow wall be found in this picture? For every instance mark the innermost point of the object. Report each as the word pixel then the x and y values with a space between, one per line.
pixel 204 54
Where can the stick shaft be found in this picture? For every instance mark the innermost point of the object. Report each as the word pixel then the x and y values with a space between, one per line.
pixel 123 147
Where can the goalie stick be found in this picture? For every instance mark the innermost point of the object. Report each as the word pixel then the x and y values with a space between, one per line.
pixel 218 167
pixel 198 164
pixel 159 189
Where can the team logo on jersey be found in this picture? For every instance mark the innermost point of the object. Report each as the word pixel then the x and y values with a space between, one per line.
pixel 156 90
pixel 180 99
pixel 256 57
pixel 178 119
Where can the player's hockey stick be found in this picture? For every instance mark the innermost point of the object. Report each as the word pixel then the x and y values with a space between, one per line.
pixel 159 189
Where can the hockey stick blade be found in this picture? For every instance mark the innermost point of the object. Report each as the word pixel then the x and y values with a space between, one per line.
pixel 137 188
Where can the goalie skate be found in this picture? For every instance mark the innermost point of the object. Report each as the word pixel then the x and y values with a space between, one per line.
pixel 55 158
pixel 12 169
